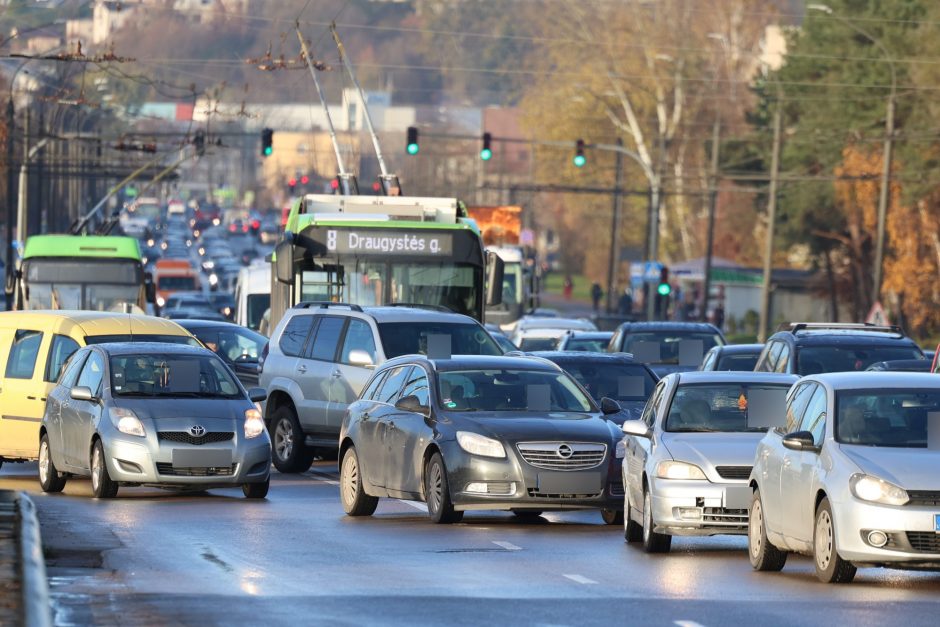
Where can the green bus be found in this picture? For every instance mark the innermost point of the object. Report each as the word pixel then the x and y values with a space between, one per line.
pixel 379 250
pixel 87 272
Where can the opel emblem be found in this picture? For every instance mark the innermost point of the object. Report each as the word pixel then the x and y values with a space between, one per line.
pixel 197 431
pixel 564 451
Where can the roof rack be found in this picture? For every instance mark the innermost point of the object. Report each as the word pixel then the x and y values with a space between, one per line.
pixel 440 308
pixel 319 304
pixel 795 327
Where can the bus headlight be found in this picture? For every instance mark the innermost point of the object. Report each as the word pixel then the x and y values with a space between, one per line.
pixel 213 279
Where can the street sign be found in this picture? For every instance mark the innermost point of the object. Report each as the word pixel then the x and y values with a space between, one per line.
pixel 877 315
pixel 527 237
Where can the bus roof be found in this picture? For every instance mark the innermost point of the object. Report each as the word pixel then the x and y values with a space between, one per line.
pixel 90 246
pixel 305 220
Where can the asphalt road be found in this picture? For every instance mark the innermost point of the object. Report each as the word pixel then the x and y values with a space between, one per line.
pixel 153 557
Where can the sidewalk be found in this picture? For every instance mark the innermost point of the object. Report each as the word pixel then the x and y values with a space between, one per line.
pixel 24 589
pixel 10 592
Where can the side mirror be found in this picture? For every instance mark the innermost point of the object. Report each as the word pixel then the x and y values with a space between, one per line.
pixel 800 441
pixel 82 393
pixel 636 427
pixel 413 405
pixel 361 359
pixel 610 406
pixel 284 260
pixel 495 268
pixel 257 395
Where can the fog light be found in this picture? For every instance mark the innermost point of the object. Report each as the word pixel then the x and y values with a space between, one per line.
pixel 478 488
pixel 877 538
pixel 690 513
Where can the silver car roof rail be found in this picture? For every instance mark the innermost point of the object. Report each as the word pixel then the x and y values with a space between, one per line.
pixel 795 327
pixel 319 304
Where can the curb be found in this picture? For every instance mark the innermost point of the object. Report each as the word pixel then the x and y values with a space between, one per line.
pixel 34 586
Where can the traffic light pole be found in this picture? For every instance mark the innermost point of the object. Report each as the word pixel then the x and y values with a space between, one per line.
pixel 615 229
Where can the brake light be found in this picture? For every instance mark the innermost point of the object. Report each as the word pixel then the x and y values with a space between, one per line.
pixel 244 228
pixel 231 227
pixel 255 224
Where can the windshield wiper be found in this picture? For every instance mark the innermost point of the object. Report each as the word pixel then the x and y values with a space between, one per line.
pixel 192 395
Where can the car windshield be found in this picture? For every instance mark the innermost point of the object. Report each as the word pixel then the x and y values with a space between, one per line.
pixel 740 362
pixel 142 337
pixel 511 390
pixel 538 343
pixel 727 407
pixel 410 338
pixel 888 417
pixel 171 375
pixel 818 359
pixel 671 347
pixel 590 345
pixel 621 382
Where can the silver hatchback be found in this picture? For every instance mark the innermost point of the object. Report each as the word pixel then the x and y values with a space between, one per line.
pixel 153 414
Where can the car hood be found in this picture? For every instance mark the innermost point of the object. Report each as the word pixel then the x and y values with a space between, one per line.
pixel 566 427
pixel 707 450
pixel 181 414
pixel 909 468
pixel 629 410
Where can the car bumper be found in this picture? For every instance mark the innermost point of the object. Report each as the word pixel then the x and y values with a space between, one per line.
pixel 912 539
pixel 138 462
pixel 700 508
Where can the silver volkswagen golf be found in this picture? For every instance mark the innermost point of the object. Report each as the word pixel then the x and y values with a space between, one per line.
pixel 852 479
pixel 153 414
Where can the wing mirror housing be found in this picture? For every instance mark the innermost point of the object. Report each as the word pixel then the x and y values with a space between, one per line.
pixel 495 269
pixel 413 405
pixel 361 358
pixel 284 260
pixel 82 393
pixel 636 427
pixel 800 441
pixel 257 395
pixel 609 406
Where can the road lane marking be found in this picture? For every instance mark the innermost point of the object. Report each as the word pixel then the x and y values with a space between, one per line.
pixel 687 623
pixel 509 546
pixel 580 579
pixel 325 478
pixel 418 506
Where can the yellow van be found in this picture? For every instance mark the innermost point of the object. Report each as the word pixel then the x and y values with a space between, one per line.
pixel 34 346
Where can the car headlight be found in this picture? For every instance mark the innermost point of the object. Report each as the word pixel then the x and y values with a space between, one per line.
pixel 678 470
pixel 621 450
pixel 476 444
pixel 254 424
pixel 213 279
pixel 875 490
pixel 126 421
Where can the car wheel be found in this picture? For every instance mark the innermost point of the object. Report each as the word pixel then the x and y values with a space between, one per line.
pixel 830 568
pixel 632 530
pixel 527 514
pixel 50 480
pixel 1 462
pixel 355 500
pixel 256 490
pixel 287 440
pixel 762 553
pixel 653 542
pixel 437 493
pixel 612 516
pixel 101 484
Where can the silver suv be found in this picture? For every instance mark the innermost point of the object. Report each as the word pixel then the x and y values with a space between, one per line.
pixel 321 355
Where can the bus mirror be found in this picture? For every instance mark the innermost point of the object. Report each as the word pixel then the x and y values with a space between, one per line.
pixel 494 279
pixel 284 262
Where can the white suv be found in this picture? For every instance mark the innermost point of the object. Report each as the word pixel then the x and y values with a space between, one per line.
pixel 322 354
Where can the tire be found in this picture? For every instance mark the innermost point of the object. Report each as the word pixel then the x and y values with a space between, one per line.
pixel 256 490
pixel 437 493
pixel 527 514
pixel 101 484
pixel 50 479
pixel 652 542
pixel 830 567
pixel 355 500
pixel 612 516
pixel 287 442
pixel 1 462
pixel 632 530
pixel 764 556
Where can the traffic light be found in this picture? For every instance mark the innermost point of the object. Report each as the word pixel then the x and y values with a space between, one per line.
pixel 412 145
pixel 579 158
pixel 664 289
pixel 199 142
pixel 292 184
pixel 267 142
pixel 304 179
pixel 487 153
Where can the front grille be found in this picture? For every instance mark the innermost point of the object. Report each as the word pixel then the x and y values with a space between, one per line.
pixel 505 488
pixel 183 437
pixel 212 471
pixel 616 488
pixel 546 455
pixel 924 541
pixel 534 493
pixel 923 497
pixel 734 472
pixel 724 516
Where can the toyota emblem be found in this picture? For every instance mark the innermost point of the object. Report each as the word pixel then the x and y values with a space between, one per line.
pixel 564 451
pixel 197 431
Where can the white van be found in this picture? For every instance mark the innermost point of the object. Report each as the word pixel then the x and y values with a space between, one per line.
pixel 253 295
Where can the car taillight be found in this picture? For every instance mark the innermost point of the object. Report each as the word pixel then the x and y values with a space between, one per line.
pixel 264 355
pixel 244 228
pixel 231 227
pixel 255 224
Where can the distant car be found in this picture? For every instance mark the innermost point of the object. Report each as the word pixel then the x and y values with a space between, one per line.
pixel 687 461
pixel 474 433
pixel 153 414
pixel 530 326
pixel 901 365
pixel 666 346
pixel 238 347
pixel 187 300
pixel 732 357
pixel 224 303
pixel 199 314
pixel 590 341
pixel 851 479
pixel 538 339
pixel 503 342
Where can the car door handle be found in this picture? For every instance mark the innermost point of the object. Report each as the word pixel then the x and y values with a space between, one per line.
pixel 337 374
pixel 32 398
pixel 301 368
pixel 786 461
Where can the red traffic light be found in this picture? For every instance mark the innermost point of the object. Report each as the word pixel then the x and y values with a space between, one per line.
pixel 376 187
pixel 292 182
pixel 304 179
pixel 334 184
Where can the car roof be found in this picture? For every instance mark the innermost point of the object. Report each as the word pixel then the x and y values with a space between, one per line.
pixel 94 323
pixel 844 337
pixel 878 380
pixel 476 362
pixel 585 356
pixel 670 326
pixel 555 323
pixel 589 335
pixel 731 349
pixel 724 376
pixel 134 348
pixel 197 323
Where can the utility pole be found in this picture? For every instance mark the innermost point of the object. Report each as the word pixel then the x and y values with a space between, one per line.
pixel 712 207
pixel 11 201
pixel 614 260
pixel 884 196
pixel 771 222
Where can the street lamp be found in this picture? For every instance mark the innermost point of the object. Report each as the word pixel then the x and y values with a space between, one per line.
pixel 888 145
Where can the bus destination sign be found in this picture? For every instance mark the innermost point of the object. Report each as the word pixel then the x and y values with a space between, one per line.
pixel 389 243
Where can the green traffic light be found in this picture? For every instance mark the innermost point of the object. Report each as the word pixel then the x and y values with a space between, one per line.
pixel 267 151
pixel 664 289
pixel 412 149
pixel 486 154
pixel 580 160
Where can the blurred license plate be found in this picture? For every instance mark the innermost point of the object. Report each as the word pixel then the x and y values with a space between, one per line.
pixel 569 482
pixel 738 497
pixel 203 458
pixel 936 523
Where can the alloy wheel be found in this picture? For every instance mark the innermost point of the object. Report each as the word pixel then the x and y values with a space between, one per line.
pixel 95 469
pixel 647 517
pixel 350 478
pixel 823 548
pixel 283 439
pixel 435 488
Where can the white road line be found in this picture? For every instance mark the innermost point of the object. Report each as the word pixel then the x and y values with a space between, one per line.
pixel 687 623
pixel 580 579
pixel 509 546
pixel 418 506
pixel 324 478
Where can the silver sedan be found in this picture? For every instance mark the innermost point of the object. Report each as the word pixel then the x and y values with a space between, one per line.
pixel 851 479
pixel 153 414
pixel 687 459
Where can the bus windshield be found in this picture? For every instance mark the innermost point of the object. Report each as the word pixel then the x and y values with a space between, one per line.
pixel 96 285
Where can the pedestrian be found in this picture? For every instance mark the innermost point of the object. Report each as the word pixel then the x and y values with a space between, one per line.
pixel 596 294
pixel 569 287
pixel 719 316
pixel 625 304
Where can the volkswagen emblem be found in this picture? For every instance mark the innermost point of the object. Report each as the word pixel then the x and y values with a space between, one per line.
pixel 197 431
pixel 564 451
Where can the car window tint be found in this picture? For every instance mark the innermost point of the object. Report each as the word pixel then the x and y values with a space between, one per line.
pixel 60 350
pixel 295 335
pixel 783 359
pixel 709 362
pixel 358 337
pixel 72 368
pixel 649 412
pixel 417 385
pixel 796 405
pixel 393 384
pixel 22 359
pixel 773 351
pixel 326 339
pixel 239 344
pixel 814 418
pixel 92 374
pixel 369 392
